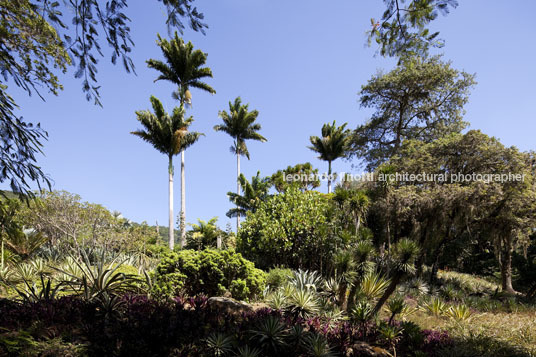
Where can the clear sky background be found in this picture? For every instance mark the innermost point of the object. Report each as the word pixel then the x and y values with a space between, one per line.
pixel 300 63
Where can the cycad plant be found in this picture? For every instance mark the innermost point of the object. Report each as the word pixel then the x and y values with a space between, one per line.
pixel 239 123
pixel 184 67
pixel 169 135
pixel 331 146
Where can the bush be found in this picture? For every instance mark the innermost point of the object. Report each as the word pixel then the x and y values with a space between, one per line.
pixel 278 277
pixel 292 228
pixel 210 272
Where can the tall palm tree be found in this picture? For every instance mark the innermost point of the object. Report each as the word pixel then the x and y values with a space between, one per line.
pixel 169 135
pixel 255 192
pixel 331 146
pixel 183 66
pixel 240 124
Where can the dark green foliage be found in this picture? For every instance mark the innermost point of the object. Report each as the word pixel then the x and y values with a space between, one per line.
pixel 291 229
pixel 209 272
pixel 308 177
pixel 419 99
pixel 277 277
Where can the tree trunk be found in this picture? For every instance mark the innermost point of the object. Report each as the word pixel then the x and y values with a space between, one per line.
pixel 237 189
pixel 183 203
pixel 390 289
pixel 329 176
pixel 506 266
pixel 171 233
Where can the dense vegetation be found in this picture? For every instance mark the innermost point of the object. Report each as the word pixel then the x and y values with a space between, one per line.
pixel 433 255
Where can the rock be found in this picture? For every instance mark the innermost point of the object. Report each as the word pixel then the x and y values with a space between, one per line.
pixel 366 350
pixel 228 305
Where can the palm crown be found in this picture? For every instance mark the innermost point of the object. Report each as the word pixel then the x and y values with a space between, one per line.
pixel 240 124
pixel 332 144
pixel 255 192
pixel 183 66
pixel 167 133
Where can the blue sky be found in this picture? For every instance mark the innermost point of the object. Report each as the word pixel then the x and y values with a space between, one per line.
pixel 300 63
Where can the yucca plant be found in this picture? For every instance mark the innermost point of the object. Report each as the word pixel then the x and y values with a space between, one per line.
pixel 391 335
pixel 434 306
pixel 219 344
pixel 395 306
pixel 361 314
pixel 372 286
pixel 459 313
pixel 316 345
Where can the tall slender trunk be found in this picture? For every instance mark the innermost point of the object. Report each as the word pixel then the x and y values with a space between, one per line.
pixel 171 233
pixel 506 265
pixel 388 292
pixel 183 203
pixel 237 188
pixel 329 176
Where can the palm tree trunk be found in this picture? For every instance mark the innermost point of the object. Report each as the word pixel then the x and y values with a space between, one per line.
pixel 237 189
pixel 329 176
pixel 171 233
pixel 183 203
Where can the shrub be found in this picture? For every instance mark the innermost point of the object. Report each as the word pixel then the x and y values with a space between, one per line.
pixel 210 272
pixel 292 228
pixel 277 277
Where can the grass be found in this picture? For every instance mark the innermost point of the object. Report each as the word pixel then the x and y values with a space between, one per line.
pixel 498 326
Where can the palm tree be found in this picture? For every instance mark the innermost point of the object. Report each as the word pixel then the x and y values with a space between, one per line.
pixel 331 146
pixel 240 124
pixel 169 135
pixel 183 67
pixel 255 192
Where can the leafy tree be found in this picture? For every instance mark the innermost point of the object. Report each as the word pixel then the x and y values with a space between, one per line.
pixel 183 67
pixel 279 179
pixel 353 201
pixel 169 135
pixel 402 30
pixel 292 229
pixel 331 146
pixel 240 124
pixel 419 99
pixel 255 192
pixel 438 212
pixel 41 39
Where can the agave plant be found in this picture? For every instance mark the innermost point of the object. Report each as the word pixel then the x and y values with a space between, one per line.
pixel 303 303
pixel 7 276
pixel 270 334
pixel 219 344
pixel 277 299
pixel 32 293
pixel 95 280
pixel 25 272
pixel 305 280
pixel 246 351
